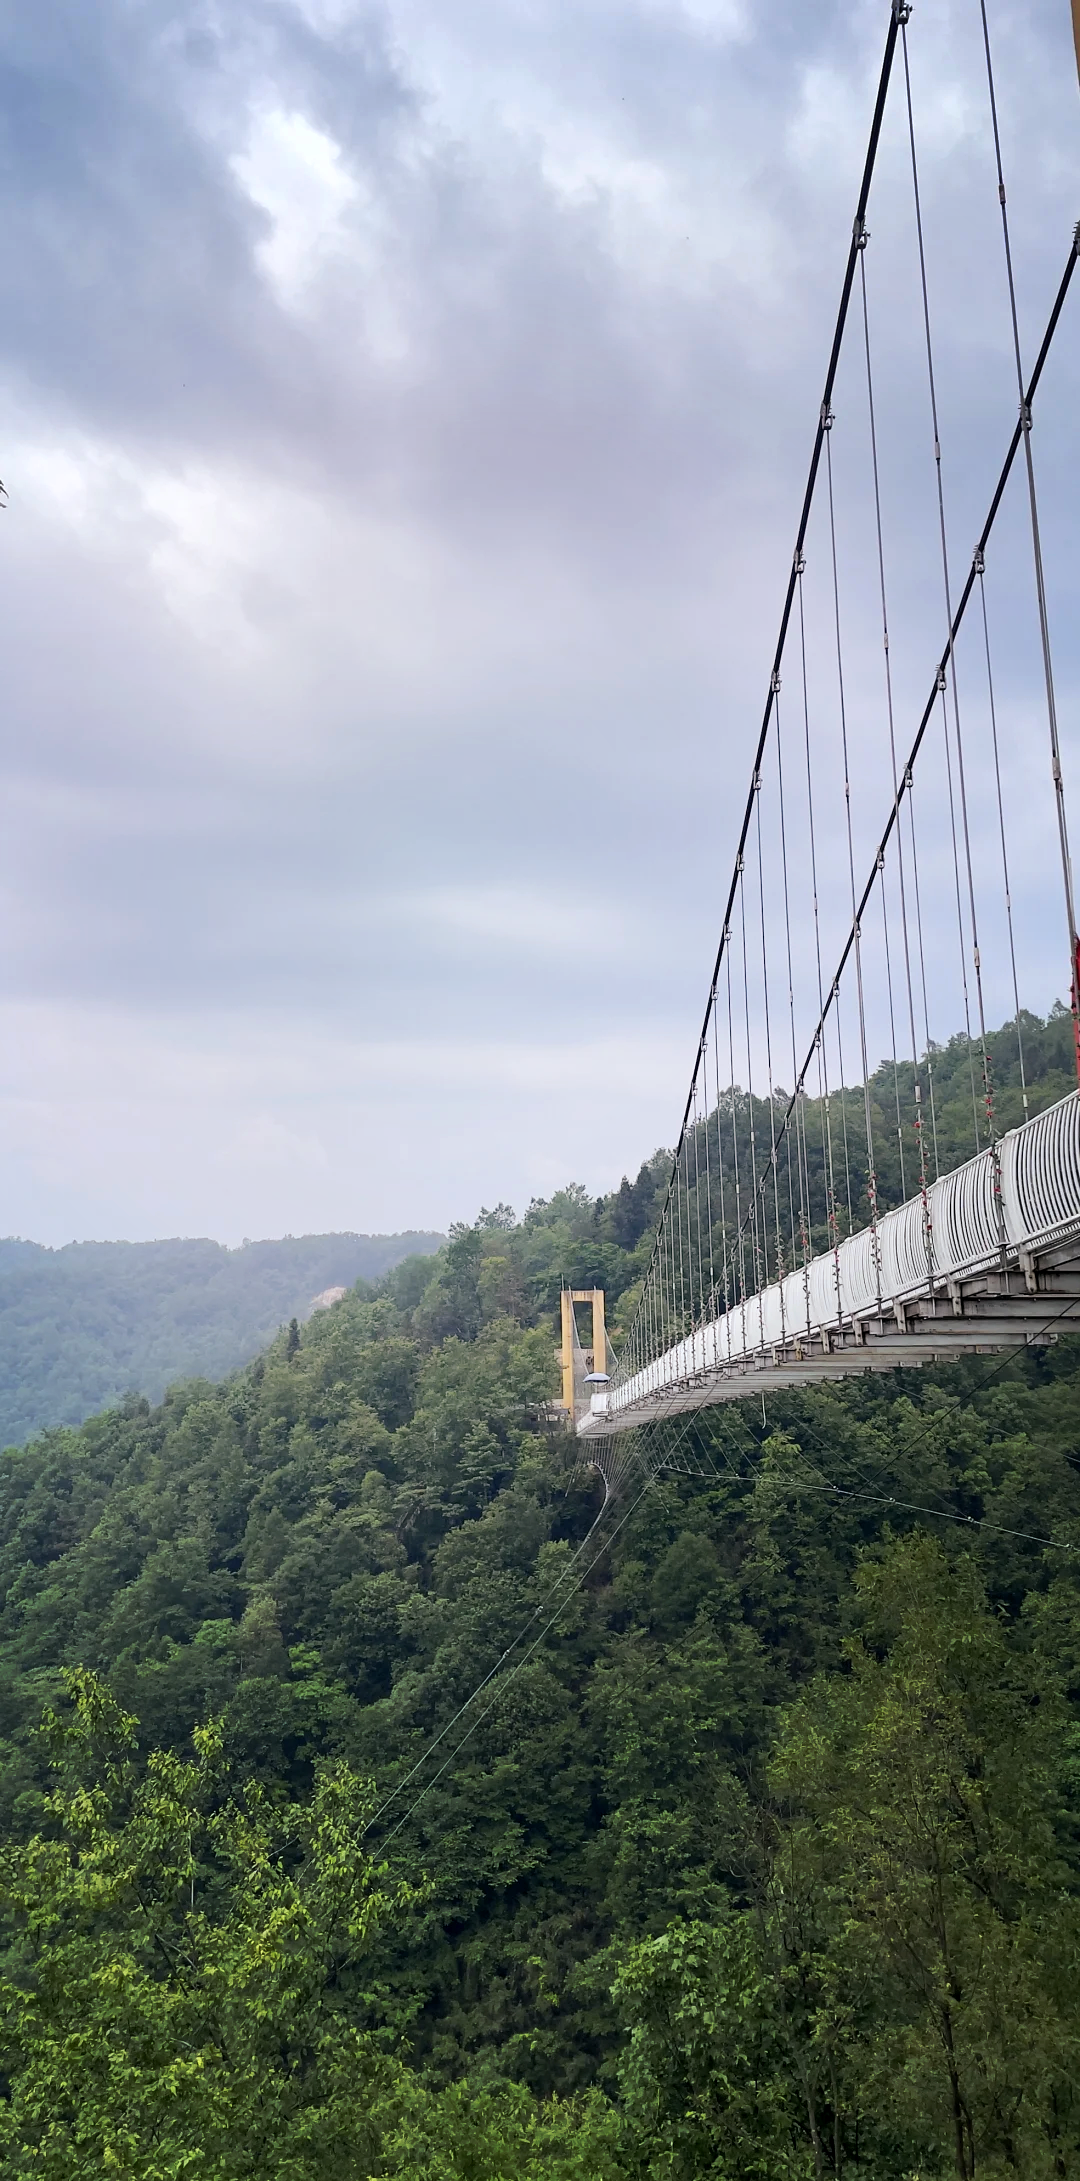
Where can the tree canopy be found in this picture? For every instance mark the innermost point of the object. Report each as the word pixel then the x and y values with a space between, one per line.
pixel 84 1325
pixel 758 1857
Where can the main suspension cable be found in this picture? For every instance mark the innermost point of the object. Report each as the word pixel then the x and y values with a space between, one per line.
pixel 869 164
pixel 904 788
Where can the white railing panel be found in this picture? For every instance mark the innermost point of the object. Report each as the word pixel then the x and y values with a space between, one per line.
pixel 1023 1195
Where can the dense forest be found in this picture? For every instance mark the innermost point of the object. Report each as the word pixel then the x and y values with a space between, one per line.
pixel 756 1857
pixel 83 1325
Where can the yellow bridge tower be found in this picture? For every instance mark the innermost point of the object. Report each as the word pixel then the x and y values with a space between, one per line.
pixel 570 1297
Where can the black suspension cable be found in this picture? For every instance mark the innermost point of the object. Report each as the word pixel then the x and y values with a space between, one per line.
pixel 869 164
pixel 755 1201
pixel 870 1169
pixel 699 1311
pixel 959 907
pixel 779 1269
pixel 708 1176
pixel 981 571
pixel 831 1215
pixel 927 1042
pixel 1036 549
pixel 802 1228
pixel 720 1152
pixel 805 1202
pixel 681 1306
pixel 903 787
pixel 842 1098
pixel 988 1090
pixel 903 792
pixel 892 1034
pixel 489 1677
pixel 507 1678
pixel 740 1224
pixel 872 417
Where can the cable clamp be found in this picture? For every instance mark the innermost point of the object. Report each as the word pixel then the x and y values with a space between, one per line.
pixel 800 557
pixel 774 685
pixel 902 11
pixel 941 679
pixel 1025 416
pixel 827 418
pixel 979 562
pixel 860 233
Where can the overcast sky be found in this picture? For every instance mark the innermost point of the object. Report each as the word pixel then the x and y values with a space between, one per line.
pixel 404 412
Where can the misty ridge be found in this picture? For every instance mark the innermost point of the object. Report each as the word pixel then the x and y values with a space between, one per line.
pixel 82 1325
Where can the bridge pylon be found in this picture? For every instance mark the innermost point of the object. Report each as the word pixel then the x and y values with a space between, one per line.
pixel 574 1360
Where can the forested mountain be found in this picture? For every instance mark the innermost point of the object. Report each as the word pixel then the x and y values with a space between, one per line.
pixel 756 1857
pixel 83 1325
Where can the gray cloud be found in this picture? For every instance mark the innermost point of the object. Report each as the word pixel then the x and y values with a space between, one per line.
pixel 404 416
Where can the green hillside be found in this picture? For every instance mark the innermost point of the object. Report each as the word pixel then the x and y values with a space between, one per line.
pixel 83 1325
pixel 758 1859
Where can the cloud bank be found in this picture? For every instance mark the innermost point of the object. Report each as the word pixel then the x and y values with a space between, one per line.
pixel 404 412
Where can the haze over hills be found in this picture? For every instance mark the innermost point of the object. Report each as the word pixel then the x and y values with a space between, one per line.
pixel 83 1325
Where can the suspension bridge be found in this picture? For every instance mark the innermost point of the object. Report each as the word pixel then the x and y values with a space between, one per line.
pixel 815 1231
pixel 880 890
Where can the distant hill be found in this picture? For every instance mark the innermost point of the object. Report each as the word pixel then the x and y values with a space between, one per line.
pixel 83 1325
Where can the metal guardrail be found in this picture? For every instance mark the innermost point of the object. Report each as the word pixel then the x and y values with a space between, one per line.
pixel 1010 1202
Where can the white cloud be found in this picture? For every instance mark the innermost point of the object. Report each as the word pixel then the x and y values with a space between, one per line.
pixel 295 173
pixel 266 1143
pixel 329 225
pixel 121 1125
pixel 579 936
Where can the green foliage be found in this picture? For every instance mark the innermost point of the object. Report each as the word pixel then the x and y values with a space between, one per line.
pixel 178 1993
pixel 897 1993
pixel 706 2076
pixel 87 1324
pixel 763 1862
pixel 461 2134
pixel 186 1988
pixel 923 1791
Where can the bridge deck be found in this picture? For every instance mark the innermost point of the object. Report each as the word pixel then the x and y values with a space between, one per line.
pixel 989 1259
